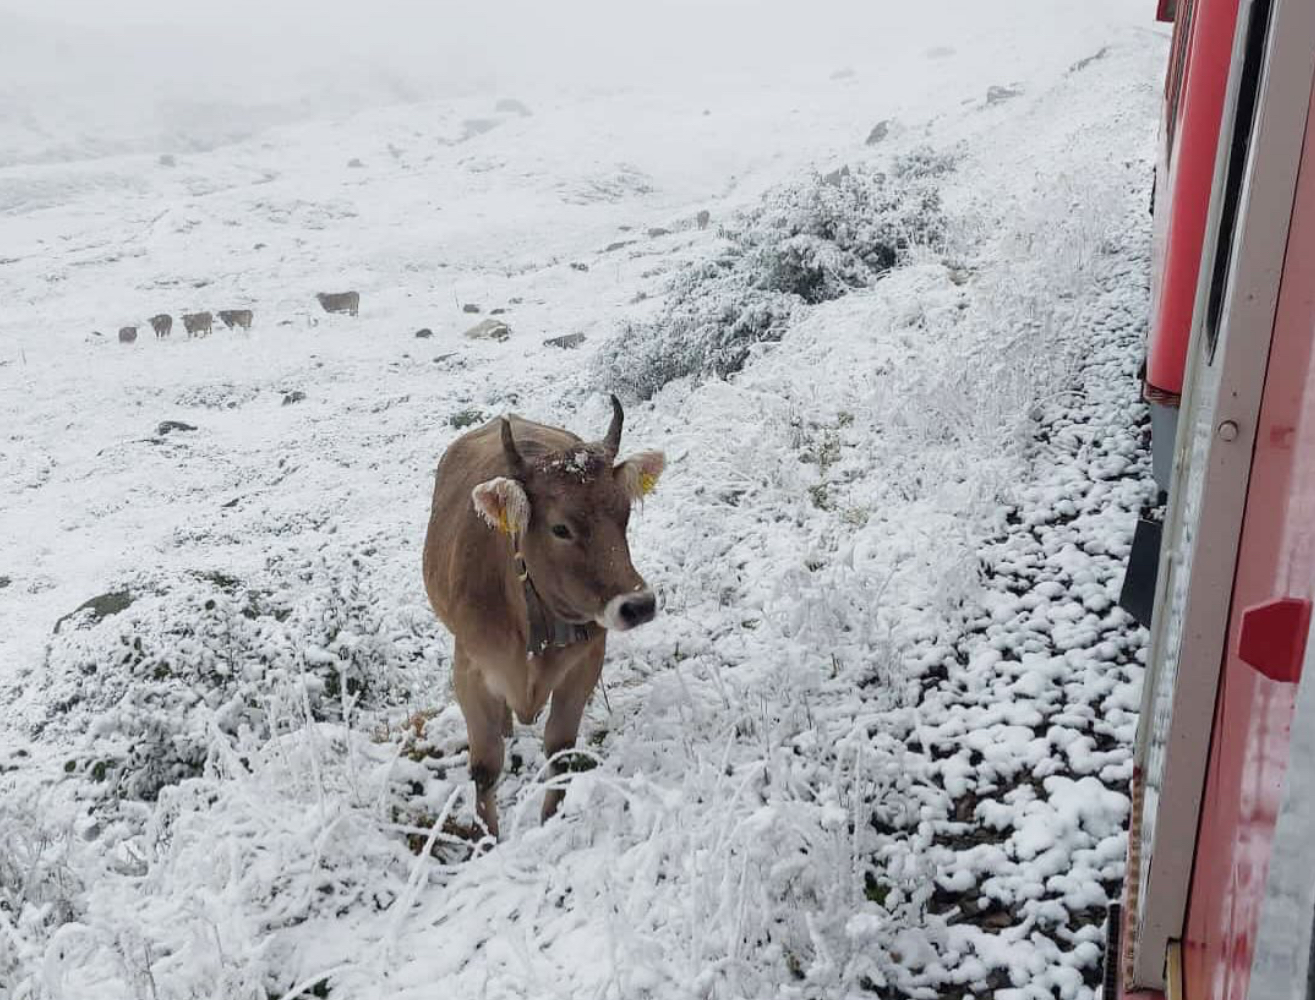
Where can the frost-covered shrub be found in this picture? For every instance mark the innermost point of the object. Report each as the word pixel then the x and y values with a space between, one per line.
pixel 38 884
pixel 232 884
pixel 202 656
pixel 808 243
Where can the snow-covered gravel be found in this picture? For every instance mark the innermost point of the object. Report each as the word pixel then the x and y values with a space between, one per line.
pixel 1028 710
pixel 878 742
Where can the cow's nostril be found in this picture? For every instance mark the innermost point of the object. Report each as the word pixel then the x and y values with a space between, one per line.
pixel 638 609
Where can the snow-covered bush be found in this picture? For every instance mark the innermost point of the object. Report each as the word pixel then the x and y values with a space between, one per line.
pixel 808 243
pixel 38 885
pixel 236 883
pixel 202 656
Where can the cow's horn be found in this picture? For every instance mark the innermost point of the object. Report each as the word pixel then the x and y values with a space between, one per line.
pixel 613 440
pixel 510 450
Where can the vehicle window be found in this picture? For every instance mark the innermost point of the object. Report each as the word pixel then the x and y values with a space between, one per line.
pixel 1244 123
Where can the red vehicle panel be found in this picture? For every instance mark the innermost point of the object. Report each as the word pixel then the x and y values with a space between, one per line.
pixel 1276 560
pixel 1192 131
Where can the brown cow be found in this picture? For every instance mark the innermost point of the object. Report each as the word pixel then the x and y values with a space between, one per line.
pixel 197 324
pixel 526 562
pixel 339 302
pixel 162 324
pixel 236 317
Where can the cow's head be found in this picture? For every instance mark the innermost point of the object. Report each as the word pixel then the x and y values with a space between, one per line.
pixel 570 510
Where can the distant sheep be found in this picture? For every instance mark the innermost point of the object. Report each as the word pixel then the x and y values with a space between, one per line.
pixel 236 318
pixel 340 302
pixel 198 324
pixel 162 324
pixel 704 218
pixel 127 334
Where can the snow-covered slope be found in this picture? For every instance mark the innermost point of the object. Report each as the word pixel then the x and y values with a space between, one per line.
pixel 878 739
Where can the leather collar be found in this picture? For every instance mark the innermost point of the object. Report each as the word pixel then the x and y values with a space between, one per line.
pixel 545 630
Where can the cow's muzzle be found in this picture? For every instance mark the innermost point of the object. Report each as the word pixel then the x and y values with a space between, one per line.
pixel 629 611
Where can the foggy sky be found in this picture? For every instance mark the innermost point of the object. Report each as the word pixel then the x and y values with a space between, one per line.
pixel 97 68
pixel 516 39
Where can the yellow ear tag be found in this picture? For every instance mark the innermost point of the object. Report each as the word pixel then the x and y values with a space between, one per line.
pixel 503 526
pixel 647 483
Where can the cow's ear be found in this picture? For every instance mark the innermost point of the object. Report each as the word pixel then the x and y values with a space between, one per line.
pixel 639 474
pixel 503 504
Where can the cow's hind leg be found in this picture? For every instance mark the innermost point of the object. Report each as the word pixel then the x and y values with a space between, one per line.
pixel 568 703
pixel 485 716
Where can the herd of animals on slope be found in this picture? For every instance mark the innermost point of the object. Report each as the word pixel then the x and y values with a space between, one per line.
pixel 199 324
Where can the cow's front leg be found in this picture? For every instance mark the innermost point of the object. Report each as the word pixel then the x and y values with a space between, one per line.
pixel 485 714
pixel 569 699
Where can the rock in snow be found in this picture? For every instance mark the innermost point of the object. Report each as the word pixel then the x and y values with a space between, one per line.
pixel 489 329
pixel 568 341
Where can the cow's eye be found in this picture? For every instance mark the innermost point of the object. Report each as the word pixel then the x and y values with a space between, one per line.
pixel 561 531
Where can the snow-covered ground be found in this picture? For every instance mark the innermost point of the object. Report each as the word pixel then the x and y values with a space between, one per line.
pixel 878 741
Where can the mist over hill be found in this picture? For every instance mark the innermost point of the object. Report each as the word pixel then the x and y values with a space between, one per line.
pixel 83 81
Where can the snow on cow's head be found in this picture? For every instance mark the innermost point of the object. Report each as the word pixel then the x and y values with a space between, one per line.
pixel 569 511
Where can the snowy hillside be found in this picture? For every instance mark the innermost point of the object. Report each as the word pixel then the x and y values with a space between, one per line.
pixel 877 742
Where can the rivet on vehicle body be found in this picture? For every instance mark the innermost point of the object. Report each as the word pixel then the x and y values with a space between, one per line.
pixel 1228 430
